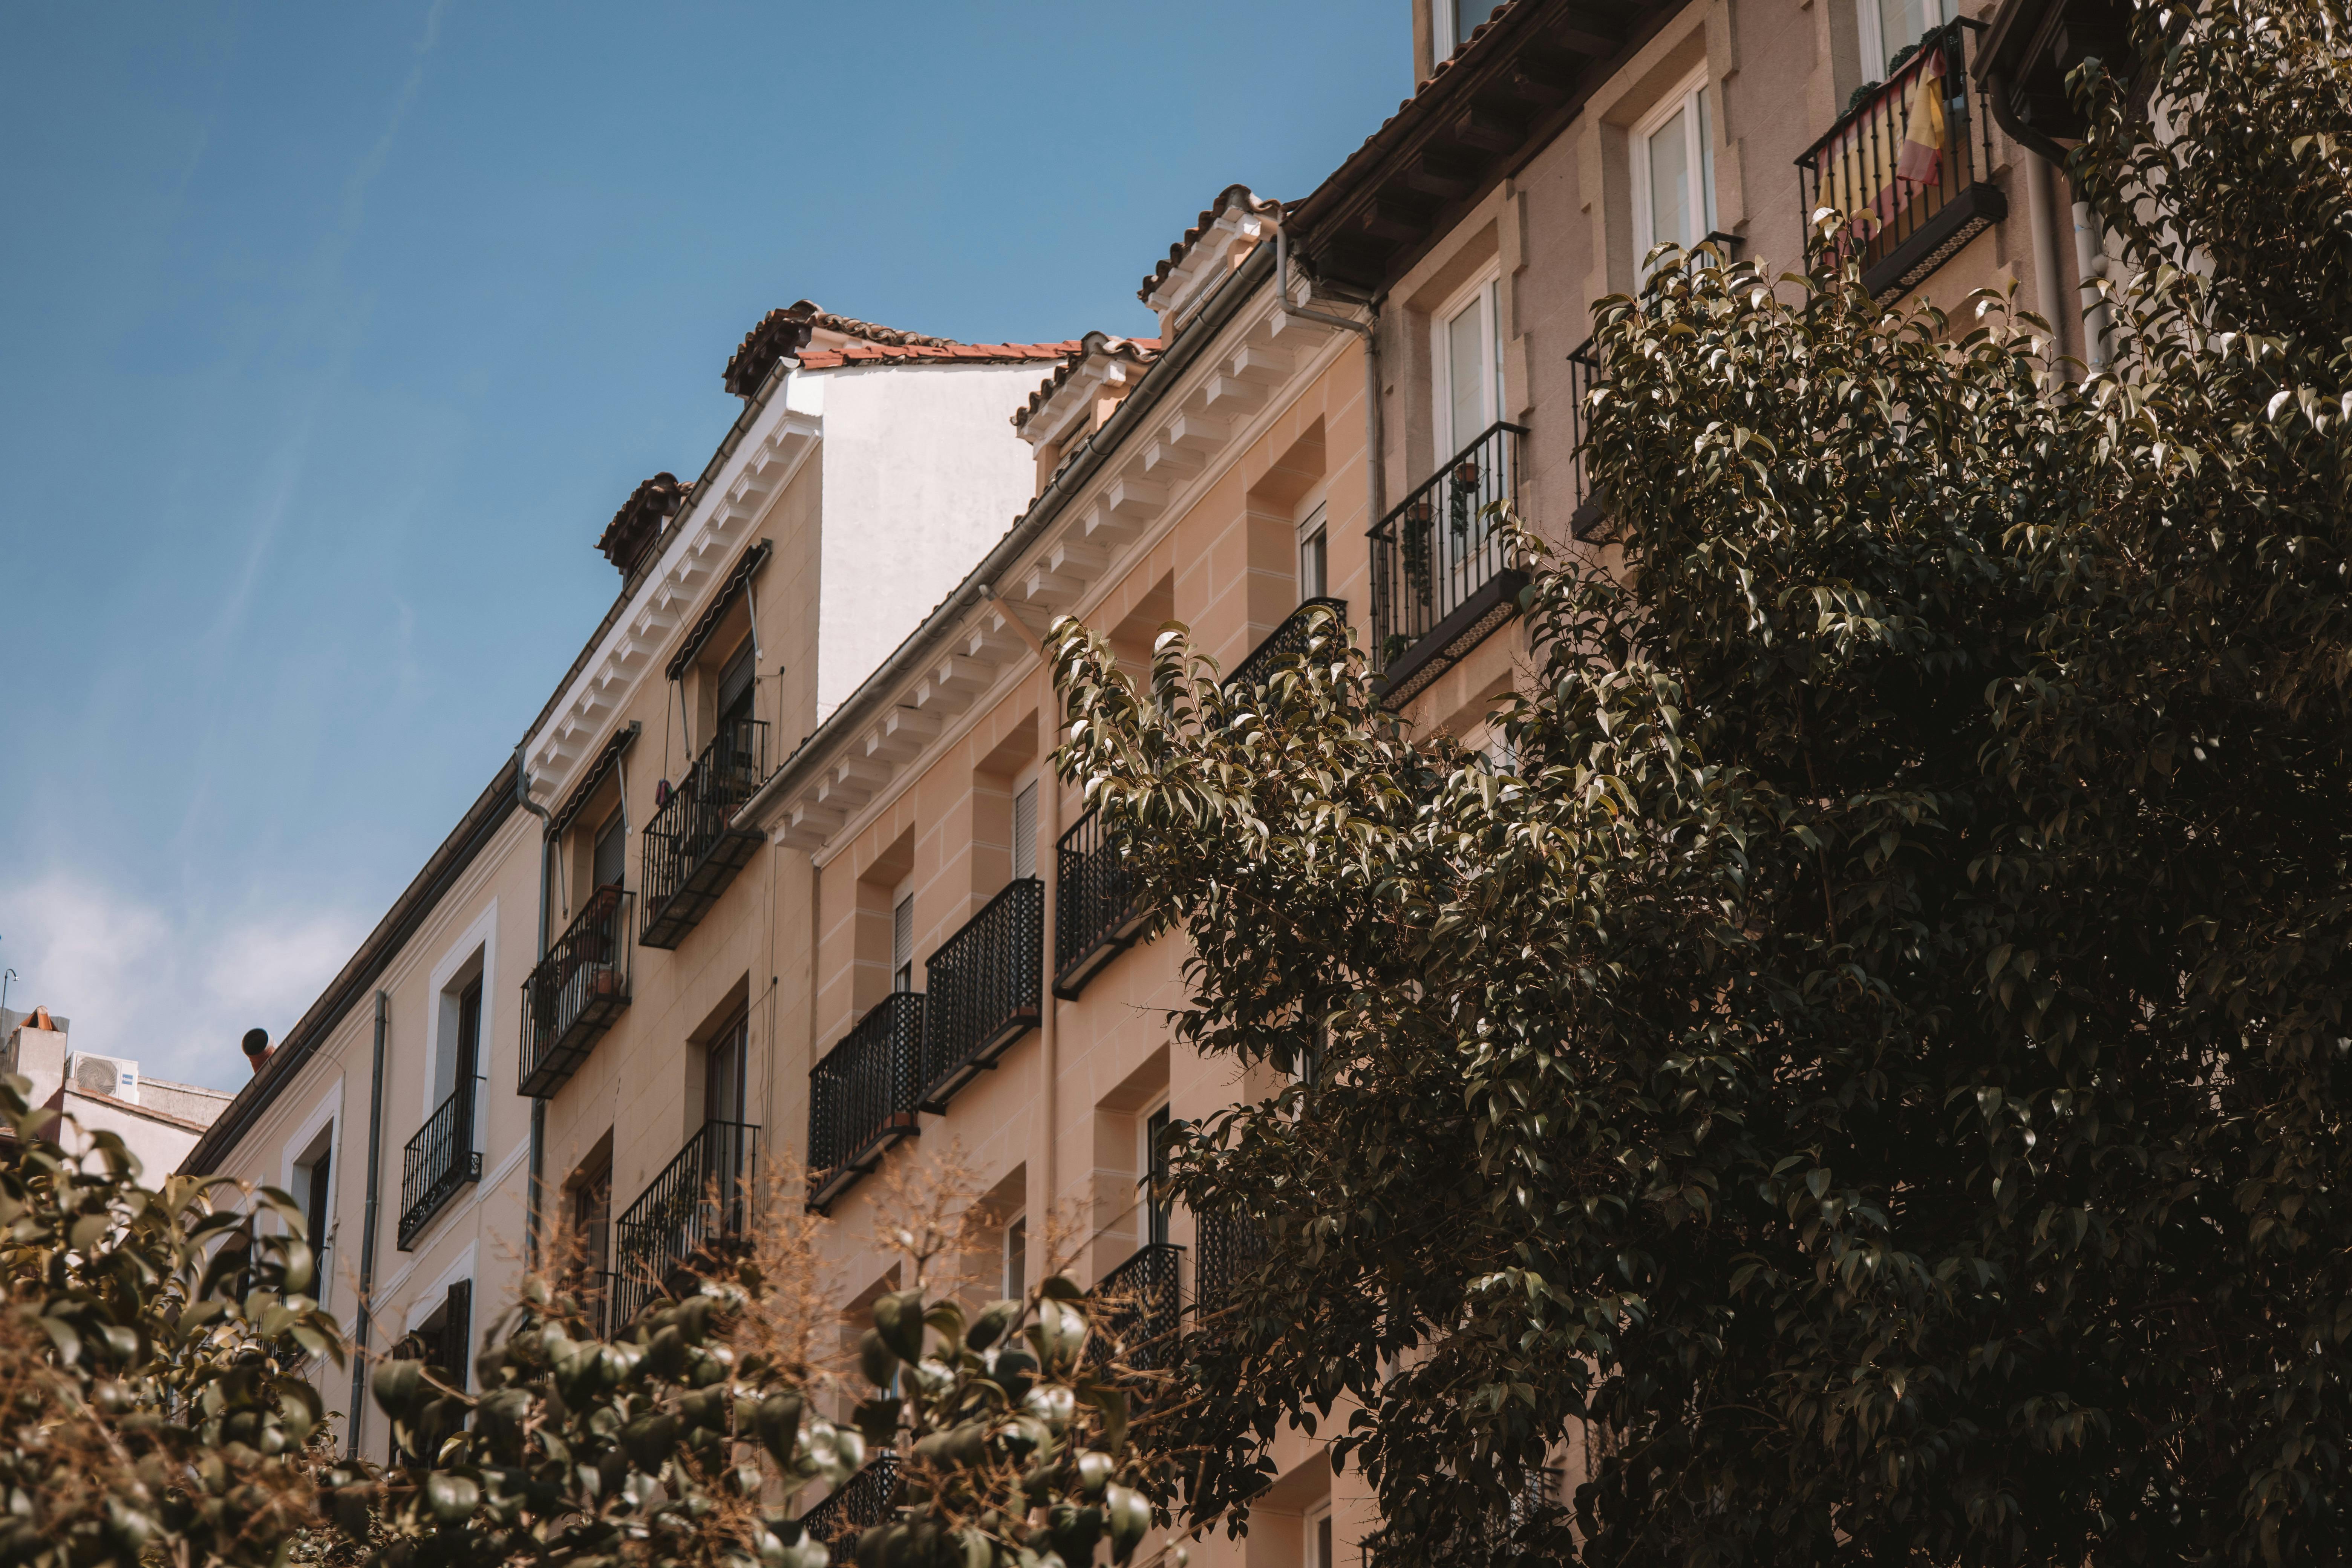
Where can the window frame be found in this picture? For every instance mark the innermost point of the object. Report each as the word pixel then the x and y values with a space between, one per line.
pixel 1485 294
pixel 1017 1225
pixel 1156 1216
pixel 1315 530
pixel 1870 36
pixel 1313 1525
pixel 1698 131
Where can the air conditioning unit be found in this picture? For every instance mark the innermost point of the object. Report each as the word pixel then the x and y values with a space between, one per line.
pixel 111 1076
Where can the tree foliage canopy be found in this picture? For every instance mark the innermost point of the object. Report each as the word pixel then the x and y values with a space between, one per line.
pixel 1870 1074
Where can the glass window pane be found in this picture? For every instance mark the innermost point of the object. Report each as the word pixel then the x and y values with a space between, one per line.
pixel 1466 370
pixel 1670 183
pixel 1467 16
pixel 1902 22
pixel 1706 167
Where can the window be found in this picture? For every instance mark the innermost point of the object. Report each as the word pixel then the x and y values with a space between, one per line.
pixel 902 944
pixel 1673 171
pixel 724 1066
pixel 444 1338
pixel 1469 367
pixel 1453 22
pixel 1016 1259
pixel 735 685
pixel 611 850
pixel 1888 26
pixel 314 1188
pixel 1318 1536
pixel 459 1062
pixel 1155 1177
pixel 592 1220
pixel 1313 558
pixel 1024 832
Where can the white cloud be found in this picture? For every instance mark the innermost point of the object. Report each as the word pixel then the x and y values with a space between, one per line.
pixel 175 991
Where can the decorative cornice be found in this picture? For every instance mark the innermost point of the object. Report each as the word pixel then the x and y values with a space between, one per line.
pixel 787 329
pixel 1231 216
pixel 1100 362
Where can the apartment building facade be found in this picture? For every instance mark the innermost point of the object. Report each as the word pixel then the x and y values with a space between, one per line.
pixel 783 874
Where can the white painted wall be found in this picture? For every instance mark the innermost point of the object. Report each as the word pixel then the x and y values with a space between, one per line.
pixel 922 474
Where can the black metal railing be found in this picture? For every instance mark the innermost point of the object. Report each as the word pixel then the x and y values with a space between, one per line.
pixel 576 992
pixel 986 986
pixel 861 1502
pixel 1098 914
pixel 438 1162
pixel 1288 638
pixel 1903 167
pixel 861 1095
pixel 692 850
pixel 1440 565
pixel 1232 1245
pixel 687 1215
pixel 1139 1310
pixel 1589 518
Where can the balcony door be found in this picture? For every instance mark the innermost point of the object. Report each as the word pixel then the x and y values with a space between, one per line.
pixel 1469 367
pixel 611 856
pixel 738 688
pixel 1674 170
pixel 725 1101
pixel 1889 27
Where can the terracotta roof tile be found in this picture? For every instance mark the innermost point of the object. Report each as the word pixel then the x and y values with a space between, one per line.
pixel 883 353
pixel 1232 195
pixel 786 329
pixel 639 520
pixel 1137 351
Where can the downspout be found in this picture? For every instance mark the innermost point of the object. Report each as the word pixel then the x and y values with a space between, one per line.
pixel 367 1231
pixel 1049 1033
pixel 1375 486
pixel 2047 299
pixel 2091 264
pixel 2090 252
pixel 538 1106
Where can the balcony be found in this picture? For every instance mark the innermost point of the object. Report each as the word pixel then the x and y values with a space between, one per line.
pixel 859 1503
pixel 1903 167
pixel 862 1096
pixel 1283 642
pixel 1587 521
pixel 1231 1246
pixel 987 990
pixel 688 1215
pixel 576 992
pixel 1140 1311
pixel 692 849
pixel 437 1164
pixel 1096 913
pixel 1441 580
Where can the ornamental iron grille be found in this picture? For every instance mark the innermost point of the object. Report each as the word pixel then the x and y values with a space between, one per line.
pixel 986 986
pixel 1232 1245
pixel 859 1503
pixel 692 850
pixel 576 992
pixel 862 1096
pixel 438 1162
pixel 1097 914
pixel 1140 1310
pixel 1285 641
pixel 688 1215
pixel 1441 576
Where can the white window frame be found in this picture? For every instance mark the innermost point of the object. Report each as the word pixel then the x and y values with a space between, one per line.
pixel 327 1116
pixel 1445 17
pixel 480 938
pixel 1485 295
pixel 1698 132
pixel 1316 1514
pixel 1013 1223
pixel 902 896
pixel 1316 521
pixel 1143 1194
pixel 1032 780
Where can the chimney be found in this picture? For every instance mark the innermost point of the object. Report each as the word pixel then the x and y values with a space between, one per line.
pixel 256 1049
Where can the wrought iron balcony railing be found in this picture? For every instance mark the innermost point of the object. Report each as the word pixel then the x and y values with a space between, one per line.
pixel 860 1503
pixel 692 850
pixel 438 1162
pixel 1141 1310
pixel 1288 638
pixel 986 989
pixel 1440 579
pixel 1232 1245
pixel 686 1216
pixel 576 992
pixel 1590 519
pixel 1908 168
pixel 1097 914
pixel 862 1096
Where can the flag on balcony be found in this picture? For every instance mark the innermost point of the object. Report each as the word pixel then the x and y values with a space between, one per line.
pixel 1879 164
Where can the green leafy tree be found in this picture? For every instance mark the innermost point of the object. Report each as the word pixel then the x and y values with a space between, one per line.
pixel 1868 1082
pixel 152 1405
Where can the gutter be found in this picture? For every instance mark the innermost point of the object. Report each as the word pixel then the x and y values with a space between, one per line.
pixel 978 586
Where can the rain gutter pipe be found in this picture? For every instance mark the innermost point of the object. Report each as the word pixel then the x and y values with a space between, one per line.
pixel 1375 491
pixel 539 1106
pixel 367 1231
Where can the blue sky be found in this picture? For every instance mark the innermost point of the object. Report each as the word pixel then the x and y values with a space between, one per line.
pixel 333 336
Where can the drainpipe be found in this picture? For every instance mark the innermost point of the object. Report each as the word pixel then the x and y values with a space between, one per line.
pixel 538 1107
pixel 1375 486
pixel 2090 255
pixel 2047 299
pixel 367 1230
pixel 1049 1031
